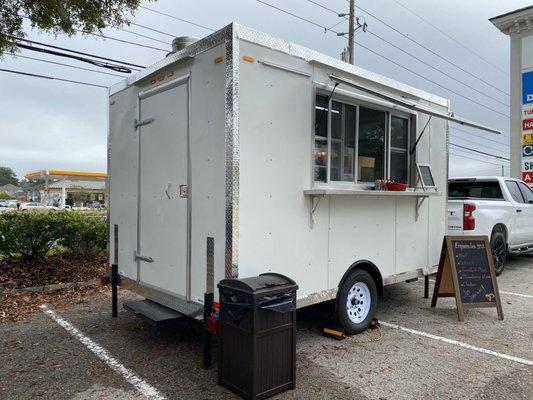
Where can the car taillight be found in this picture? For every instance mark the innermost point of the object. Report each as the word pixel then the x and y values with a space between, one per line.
pixel 469 222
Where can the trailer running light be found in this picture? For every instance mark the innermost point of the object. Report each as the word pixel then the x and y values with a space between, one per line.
pixel 469 222
pixel 249 58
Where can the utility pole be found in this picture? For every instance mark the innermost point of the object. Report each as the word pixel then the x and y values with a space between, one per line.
pixel 351 32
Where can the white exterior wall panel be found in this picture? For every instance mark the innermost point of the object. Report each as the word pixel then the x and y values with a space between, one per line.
pixel 275 167
pixel 122 172
pixel 207 167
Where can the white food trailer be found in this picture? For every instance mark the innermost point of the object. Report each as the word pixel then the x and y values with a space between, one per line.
pixel 242 153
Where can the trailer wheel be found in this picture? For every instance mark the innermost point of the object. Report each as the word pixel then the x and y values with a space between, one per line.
pixel 356 302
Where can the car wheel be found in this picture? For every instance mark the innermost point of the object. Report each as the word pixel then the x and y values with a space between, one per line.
pixel 499 251
pixel 356 302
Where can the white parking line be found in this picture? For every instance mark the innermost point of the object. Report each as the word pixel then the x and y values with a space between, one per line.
pixel 457 343
pixel 527 296
pixel 140 384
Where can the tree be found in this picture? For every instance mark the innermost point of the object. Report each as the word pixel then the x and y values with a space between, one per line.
pixel 60 16
pixel 8 176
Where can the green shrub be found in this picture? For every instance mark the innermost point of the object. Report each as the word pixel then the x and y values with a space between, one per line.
pixel 86 235
pixel 32 235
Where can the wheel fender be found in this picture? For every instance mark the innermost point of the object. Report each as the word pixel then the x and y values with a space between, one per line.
pixel 369 267
pixel 500 227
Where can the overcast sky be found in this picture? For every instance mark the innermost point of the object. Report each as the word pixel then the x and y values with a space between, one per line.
pixel 51 124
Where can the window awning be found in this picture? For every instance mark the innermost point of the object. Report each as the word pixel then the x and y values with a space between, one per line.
pixel 413 106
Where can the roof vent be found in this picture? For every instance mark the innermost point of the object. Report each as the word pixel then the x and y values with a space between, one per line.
pixel 181 42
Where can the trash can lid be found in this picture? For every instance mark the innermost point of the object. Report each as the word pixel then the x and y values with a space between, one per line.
pixel 259 284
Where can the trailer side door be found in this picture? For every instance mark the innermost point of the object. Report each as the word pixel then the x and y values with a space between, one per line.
pixel 163 203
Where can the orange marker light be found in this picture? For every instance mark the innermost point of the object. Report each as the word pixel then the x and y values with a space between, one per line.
pixel 218 60
pixel 248 58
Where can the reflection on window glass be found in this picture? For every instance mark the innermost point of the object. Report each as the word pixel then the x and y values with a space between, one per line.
pixel 321 138
pixel 399 137
pixel 348 150
pixel 371 145
pixel 336 140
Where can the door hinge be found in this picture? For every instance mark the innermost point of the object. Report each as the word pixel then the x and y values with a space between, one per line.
pixel 140 257
pixel 137 123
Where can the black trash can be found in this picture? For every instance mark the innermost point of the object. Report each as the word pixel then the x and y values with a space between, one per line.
pixel 257 335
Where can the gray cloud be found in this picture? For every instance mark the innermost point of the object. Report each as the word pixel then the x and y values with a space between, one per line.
pixel 48 124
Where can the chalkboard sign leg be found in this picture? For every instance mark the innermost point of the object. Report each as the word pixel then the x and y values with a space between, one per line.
pixel 426 286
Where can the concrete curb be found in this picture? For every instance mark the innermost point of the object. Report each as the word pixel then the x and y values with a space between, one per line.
pixel 51 287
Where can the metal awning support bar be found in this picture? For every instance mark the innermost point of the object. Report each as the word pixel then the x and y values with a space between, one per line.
pixel 413 106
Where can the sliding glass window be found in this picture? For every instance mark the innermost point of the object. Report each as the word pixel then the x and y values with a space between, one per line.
pixel 399 149
pixel 359 144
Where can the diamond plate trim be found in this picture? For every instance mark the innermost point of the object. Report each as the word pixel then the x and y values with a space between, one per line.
pixel 232 154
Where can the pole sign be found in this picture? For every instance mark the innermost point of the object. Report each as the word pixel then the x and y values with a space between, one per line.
pixel 527 127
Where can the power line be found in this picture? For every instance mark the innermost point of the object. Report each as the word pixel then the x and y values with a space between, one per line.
pixel 76 52
pixel 121 40
pixel 152 29
pixel 450 37
pixel 479 136
pixel 143 36
pixel 51 78
pixel 480 152
pixel 114 67
pixel 176 18
pixel 390 60
pixel 64 65
pixel 433 52
pixel 483 144
pixel 326 29
pixel 476 159
pixel 414 56
pixel 437 69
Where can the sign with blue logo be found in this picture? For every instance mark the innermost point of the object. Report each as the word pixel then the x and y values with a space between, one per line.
pixel 527 87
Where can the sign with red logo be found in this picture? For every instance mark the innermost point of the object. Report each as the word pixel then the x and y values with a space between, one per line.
pixel 527 124
pixel 527 177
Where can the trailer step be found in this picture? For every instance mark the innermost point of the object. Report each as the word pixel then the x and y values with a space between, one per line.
pixel 155 314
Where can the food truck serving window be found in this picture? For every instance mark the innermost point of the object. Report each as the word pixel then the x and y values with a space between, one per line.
pixel 356 143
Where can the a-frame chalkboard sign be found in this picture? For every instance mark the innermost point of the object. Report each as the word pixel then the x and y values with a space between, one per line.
pixel 466 272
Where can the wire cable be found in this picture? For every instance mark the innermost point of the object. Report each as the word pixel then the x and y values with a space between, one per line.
pixel 326 29
pixel 153 30
pixel 76 52
pixel 483 144
pixel 480 136
pixel 64 65
pixel 476 159
pixel 451 38
pixel 51 78
pixel 122 40
pixel 432 51
pixel 480 152
pixel 413 56
pixel 141 35
pixel 114 67
pixel 176 18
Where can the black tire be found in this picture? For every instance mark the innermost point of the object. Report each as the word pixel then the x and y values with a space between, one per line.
pixel 499 251
pixel 356 276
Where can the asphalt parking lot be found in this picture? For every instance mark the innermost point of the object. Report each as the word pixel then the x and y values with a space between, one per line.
pixel 79 352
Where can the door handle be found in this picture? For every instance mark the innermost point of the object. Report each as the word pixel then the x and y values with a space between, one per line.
pixel 140 257
pixel 518 210
pixel 167 189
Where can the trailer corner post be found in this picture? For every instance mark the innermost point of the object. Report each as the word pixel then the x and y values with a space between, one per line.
pixel 208 309
pixel 114 290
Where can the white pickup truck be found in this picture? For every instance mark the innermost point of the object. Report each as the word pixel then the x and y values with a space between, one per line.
pixel 500 208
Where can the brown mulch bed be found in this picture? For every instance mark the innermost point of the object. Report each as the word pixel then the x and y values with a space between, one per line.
pixel 57 268
pixel 18 306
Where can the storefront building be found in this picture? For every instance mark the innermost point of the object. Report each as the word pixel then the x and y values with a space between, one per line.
pixel 518 25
